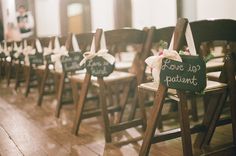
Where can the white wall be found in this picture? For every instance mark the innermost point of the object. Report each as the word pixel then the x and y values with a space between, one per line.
pixel 159 13
pixel 190 9
pixel 47 14
pixel 216 9
pixel 10 7
pixel 102 14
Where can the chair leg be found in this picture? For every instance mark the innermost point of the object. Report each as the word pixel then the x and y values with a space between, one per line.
pixel 81 103
pixel 209 121
pixel 75 91
pixel 152 123
pixel 133 106
pixel 233 114
pixel 123 101
pixel 102 100
pixel 1 69
pixel 60 94
pixel 28 77
pixel 184 125
pixel 9 70
pixel 220 106
pixel 17 76
pixel 194 109
pixel 141 100
pixel 42 87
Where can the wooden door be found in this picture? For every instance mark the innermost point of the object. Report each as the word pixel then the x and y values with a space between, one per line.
pixel 75 16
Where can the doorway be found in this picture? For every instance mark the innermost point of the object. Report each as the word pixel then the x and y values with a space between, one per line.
pixel 75 16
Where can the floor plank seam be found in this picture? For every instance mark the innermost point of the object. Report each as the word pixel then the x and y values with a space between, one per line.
pixel 11 139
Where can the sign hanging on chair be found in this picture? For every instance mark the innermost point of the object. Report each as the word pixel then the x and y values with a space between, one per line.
pixel 189 75
pixel 72 62
pixel 99 67
pixel 36 59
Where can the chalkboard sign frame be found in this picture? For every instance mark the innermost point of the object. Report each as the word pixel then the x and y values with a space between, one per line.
pixel 189 75
pixel 99 67
pixel 36 59
pixel 71 63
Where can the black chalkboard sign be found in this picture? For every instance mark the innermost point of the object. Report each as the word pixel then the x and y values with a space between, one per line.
pixel 48 58
pixel 21 57
pixel 12 54
pixel 36 59
pixel 71 63
pixel 99 67
pixel 189 75
pixel 2 55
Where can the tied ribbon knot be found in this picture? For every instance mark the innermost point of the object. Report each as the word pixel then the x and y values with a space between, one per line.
pixel 155 62
pixel 101 53
pixel 29 51
pixel 58 53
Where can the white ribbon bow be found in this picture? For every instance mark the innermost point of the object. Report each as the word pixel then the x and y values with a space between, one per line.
pixel 48 50
pixel 75 44
pixel 103 52
pixel 155 62
pixel 39 46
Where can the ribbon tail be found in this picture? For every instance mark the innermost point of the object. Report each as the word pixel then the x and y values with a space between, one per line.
pixel 75 44
pixel 83 61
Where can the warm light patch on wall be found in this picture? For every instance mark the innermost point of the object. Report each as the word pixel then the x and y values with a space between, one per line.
pixel 75 18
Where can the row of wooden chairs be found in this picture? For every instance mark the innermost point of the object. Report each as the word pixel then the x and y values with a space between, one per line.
pixel 111 94
pixel 202 31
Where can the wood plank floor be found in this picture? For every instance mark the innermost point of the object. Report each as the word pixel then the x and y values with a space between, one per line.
pixel 26 129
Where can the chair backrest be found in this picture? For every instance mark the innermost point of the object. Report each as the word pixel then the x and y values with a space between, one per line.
pixel 85 41
pixel 213 30
pixel 62 40
pixel 71 63
pixel 163 34
pixel 30 42
pixel 45 41
pixel 153 36
pixel 118 40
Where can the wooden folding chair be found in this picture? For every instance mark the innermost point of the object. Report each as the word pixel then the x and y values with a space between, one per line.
pixel 48 84
pixel 71 66
pixel 32 79
pixel 227 75
pixel 20 64
pixel 119 80
pixel 2 61
pixel 46 42
pixel 11 65
pixel 202 31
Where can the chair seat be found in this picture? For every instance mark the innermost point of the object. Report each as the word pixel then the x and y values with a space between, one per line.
pixel 123 66
pixel 114 76
pixel 42 67
pixel 214 76
pixel 215 65
pixel 153 86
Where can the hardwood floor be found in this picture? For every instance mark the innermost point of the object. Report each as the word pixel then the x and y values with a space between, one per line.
pixel 26 129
